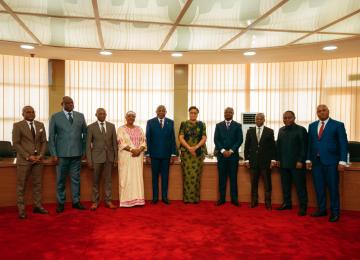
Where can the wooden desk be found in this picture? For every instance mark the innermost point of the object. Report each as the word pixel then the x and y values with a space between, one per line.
pixel 349 185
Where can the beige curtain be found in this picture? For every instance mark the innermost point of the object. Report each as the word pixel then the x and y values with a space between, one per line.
pixel 301 86
pixel 118 88
pixel 273 88
pixel 23 81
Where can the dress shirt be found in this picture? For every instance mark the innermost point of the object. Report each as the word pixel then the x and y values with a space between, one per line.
pixel 99 123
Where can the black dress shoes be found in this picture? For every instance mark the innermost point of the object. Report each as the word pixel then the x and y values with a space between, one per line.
pixel 334 218
pixel 220 202
pixel 60 208
pixel 254 204
pixel 40 210
pixel 284 207
pixel 317 214
pixel 235 203
pixel 154 201
pixel 268 206
pixel 78 206
pixel 166 201
pixel 302 212
pixel 22 215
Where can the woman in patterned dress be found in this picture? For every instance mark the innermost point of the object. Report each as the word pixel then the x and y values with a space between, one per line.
pixel 132 144
pixel 192 137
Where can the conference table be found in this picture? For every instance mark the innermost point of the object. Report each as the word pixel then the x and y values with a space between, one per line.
pixel 349 184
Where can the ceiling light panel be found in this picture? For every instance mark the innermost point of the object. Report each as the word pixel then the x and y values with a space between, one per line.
pixel 12 31
pixel 67 32
pixel 148 10
pixel 239 13
pixel 308 14
pixel 133 36
pixel 349 25
pixel 322 38
pixel 262 39
pixel 53 7
pixel 192 38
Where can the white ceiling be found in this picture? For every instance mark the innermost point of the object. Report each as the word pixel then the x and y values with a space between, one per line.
pixel 178 25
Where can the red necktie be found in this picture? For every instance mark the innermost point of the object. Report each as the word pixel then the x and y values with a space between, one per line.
pixel 321 130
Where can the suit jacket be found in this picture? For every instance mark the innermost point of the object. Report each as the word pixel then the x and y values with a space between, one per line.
pixel 101 147
pixel 65 139
pixel 291 145
pixel 227 139
pixel 160 141
pixel 24 143
pixel 332 146
pixel 260 154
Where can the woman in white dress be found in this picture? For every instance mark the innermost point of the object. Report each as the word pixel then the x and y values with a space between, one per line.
pixel 132 144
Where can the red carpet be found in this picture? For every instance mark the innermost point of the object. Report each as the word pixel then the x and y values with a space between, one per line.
pixel 177 231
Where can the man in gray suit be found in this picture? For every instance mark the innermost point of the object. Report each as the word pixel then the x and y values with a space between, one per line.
pixel 29 140
pixel 67 141
pixel 101 153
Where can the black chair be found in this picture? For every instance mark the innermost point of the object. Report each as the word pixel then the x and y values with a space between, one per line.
pixel 354 150
pixel 6 150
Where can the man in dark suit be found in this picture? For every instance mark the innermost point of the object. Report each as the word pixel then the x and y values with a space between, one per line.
pixel 260 158
pixel 29 141
pixel 326 157
pixel 160 138
pixel 291 154
pixel 101 153
pixel 228 138
pixel 67 144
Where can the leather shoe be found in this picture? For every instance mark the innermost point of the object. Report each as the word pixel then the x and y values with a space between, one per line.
pixel 154 202
pixel 284 207
pixel 110 205
pixel 334 218
pixel 22 215
pixel 268 206
pixel 302 212
pixel 40 210
pixel 93 207
pixel 60 208
pixel 166 201
pixel 254 204
pixel 220 202
pixel 235 203
pixel 317 214
pixel 78 206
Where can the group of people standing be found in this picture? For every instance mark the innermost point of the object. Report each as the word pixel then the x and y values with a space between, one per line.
pixel 323 150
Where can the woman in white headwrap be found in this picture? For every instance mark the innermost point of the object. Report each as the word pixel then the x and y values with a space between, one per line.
pixel 132 144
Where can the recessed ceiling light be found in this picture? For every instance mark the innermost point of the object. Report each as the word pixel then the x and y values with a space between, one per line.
pixel 177 54
pixel 249 53
pixel 330 48
pixel 106 53
pixel 27 47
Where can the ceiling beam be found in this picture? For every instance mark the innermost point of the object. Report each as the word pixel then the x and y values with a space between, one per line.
pixel 98 25
pixel 20 22
pixel 324 27
pixel 269 12
pixel 178 19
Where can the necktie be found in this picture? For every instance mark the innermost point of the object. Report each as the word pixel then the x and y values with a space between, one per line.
pixel 227 124
pixel 321 130
pixel 258 134
pixel 161 123
pixel 102 128
pixel 32 130
pixel 71 120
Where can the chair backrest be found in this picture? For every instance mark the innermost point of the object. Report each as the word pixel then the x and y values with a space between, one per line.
pixel 354 150
pixel 6 150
